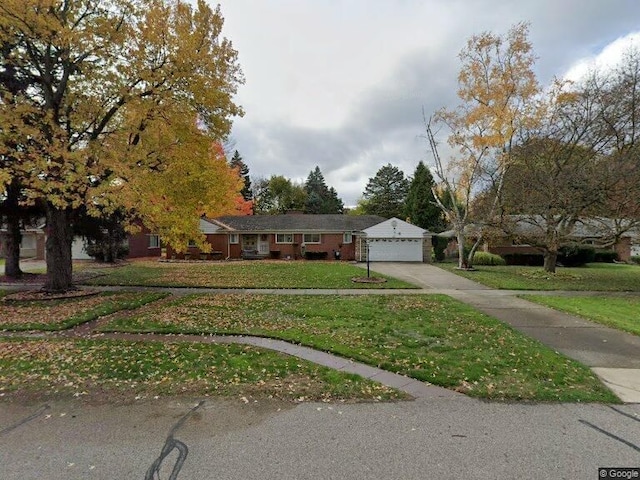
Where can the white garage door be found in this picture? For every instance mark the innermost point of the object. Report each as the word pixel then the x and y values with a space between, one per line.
pixel 395 250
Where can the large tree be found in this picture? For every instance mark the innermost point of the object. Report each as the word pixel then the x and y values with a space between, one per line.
pixel 386 192
pixel 580 166
pixel 421 207
pixel 126 102
pixel 278 194
pixel 321 198
pixel 498 91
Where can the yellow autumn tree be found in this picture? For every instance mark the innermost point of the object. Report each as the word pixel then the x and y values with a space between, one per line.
pixel 498 92
pixel 125 100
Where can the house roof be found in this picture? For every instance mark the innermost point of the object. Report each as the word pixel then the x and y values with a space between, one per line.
pixel 297 223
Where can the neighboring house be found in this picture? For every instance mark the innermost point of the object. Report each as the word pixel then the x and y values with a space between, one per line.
pixel 294 236
pixel 594 232
pixel 32 244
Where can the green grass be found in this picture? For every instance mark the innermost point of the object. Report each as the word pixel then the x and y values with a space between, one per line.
pixel 618 312
pixel 53 315
pixel 604 277
pixel 431 338
pixel 249 274
pixel 134 370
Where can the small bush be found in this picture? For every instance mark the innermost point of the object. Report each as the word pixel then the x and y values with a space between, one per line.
pixel 573 256
pixel 606 256
pixel 486 258
pixel 103 252
pixel 636 259
pixel 316 255
pixel 439 245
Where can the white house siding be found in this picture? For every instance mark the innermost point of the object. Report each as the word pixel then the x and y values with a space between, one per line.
pixel 208 227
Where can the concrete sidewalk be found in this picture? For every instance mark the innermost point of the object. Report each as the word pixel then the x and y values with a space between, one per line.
pixel 612 354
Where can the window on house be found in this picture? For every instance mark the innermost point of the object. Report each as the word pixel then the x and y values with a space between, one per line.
pixel 311 238
pixel 284 237
pixel 154 241
pixel 233 238
pixel 347 237
pixel 192 243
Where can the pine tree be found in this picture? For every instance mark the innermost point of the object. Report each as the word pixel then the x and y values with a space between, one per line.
pixel 421 208
pixel 243 170
pixel 385 194
pixel 320 198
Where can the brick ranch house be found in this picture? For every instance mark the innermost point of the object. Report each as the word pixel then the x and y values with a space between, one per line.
pixel 296 236
pixel 591 232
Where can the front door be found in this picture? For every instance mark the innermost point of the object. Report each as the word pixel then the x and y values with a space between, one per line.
pixel 263 244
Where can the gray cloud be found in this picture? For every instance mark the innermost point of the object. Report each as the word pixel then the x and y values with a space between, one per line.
pixel 342 85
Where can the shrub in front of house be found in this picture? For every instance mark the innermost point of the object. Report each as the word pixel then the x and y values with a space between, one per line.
pixel 486 258
pixel 636 259
pixel 316 255
pixel 574 256
pixel 103 252
pixel 606 256
pixel 524 259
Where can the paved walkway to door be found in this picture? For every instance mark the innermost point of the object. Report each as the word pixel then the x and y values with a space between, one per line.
pixel 612 354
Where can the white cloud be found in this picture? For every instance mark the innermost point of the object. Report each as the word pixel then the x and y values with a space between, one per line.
pixel 609 57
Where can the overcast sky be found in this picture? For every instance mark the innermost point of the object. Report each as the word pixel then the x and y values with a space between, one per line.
pixel 342 83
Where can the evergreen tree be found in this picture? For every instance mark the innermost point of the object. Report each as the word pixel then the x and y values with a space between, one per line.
pixel 386 193
pixel 243 171
pixel 420 207
pixel 320 198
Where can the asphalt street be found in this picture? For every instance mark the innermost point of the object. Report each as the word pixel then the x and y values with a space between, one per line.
pixel 230 439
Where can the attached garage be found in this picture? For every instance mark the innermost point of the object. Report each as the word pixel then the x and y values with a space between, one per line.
pixel 396 241
pixel 395 250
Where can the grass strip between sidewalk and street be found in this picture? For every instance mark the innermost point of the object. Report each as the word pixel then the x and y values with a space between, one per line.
pixel 432 338
pixel 109 370
pixel 605 277
pixel 261 274
pixel 619 312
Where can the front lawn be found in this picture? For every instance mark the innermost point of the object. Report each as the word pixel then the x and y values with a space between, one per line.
pixel 112 370
pixel 432 338
pixel 240 274
pixel 606 277
pixel 617 312
pixel 66 313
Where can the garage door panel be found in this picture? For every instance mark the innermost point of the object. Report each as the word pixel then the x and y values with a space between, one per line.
pixel 395 250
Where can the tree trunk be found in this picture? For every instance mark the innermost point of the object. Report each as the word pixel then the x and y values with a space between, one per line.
pixel 472 252
pixel 462 260
pixel 12 242
pixel 550 258
pixel 58 246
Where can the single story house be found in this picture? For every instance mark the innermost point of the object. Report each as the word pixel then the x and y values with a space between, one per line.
pixel 294 236
pixel 594 232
